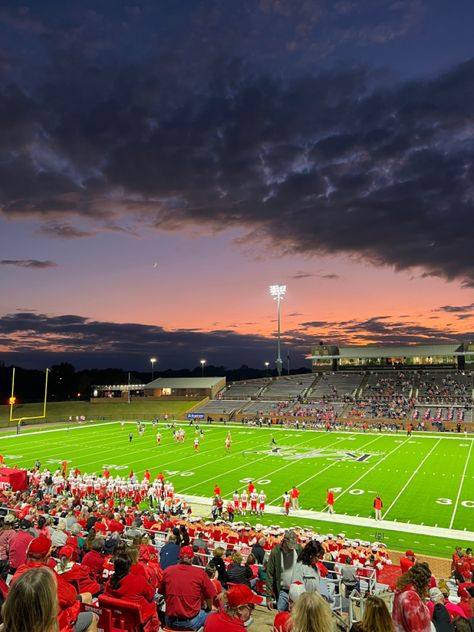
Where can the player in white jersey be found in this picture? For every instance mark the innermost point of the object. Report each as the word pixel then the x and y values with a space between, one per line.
pixel 236 499
pixel 243 502
pixel 262 497
pixel 253 502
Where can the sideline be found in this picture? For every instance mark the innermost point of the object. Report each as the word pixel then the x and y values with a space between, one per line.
pixel 389 525
pixel 6 432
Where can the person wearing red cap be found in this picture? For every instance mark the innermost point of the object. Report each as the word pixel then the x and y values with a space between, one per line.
pixel 186 588
pixel 69 618
pixel 239 603
pixel 465 602
pixel 407 561
pixel 75 574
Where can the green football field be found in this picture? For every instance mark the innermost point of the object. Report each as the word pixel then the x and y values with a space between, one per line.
pixel 424 480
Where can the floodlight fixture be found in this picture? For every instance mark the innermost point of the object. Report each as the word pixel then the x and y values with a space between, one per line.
pixel 152 360
pixel 278 291
pixel 203 362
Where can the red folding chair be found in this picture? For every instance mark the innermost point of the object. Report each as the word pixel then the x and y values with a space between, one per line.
pixel 126 615
pixel 104 616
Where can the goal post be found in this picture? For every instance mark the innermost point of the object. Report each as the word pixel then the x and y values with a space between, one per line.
pixel 12 400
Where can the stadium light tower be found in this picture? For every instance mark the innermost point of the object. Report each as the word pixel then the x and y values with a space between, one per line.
pixel 152 360
pixel 278 292
pixel 203 362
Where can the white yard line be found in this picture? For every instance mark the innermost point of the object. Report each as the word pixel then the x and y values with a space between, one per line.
pixel 362 447
pixel 291 463
pixel 248 465
pixel 372 468
pixel 460 486
pixel 411 478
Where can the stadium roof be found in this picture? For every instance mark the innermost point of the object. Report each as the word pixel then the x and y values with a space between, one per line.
pixel 408 351
pixel 184 382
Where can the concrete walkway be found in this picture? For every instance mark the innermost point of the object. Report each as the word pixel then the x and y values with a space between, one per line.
pixel 389 525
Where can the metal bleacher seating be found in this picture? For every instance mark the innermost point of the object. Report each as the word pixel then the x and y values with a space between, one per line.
pixel 288 388
pixel 335 386
pixel 244 390
pixel 221 407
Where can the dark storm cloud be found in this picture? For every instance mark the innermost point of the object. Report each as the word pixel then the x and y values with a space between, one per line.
pixel 453 309
pixel 28 263
pixel 34 338
pixel 306 275
pixel 32 333
pixel 329 163
pixel 64 231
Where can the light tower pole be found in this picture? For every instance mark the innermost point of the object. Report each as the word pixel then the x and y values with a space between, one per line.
pixel 203 362
pixel 152 360
pixel 278 292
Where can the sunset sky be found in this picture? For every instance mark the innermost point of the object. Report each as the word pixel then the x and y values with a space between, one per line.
pixel 162 162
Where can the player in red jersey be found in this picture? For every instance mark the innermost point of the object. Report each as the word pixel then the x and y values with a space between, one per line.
pixel 330 501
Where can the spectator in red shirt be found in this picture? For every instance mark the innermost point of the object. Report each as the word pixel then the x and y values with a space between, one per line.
pixel 465 602
pixel 94 558
pixel 133 587
pixel 410 612
pixel 186 588
pixel 239 604
pixel 76 574
pixel 19 545
pixel 407 561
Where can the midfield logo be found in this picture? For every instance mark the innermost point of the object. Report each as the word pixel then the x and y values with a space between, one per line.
pixel 295 454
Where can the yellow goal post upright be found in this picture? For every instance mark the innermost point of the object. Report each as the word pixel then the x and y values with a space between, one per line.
pixel 12 401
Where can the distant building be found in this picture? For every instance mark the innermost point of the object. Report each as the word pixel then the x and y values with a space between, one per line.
pixel 170 388
pixel 185 387
pixel 458 355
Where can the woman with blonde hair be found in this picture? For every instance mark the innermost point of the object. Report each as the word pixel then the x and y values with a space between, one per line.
pixel 311 613
pixel 376 617
pixel 32 603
